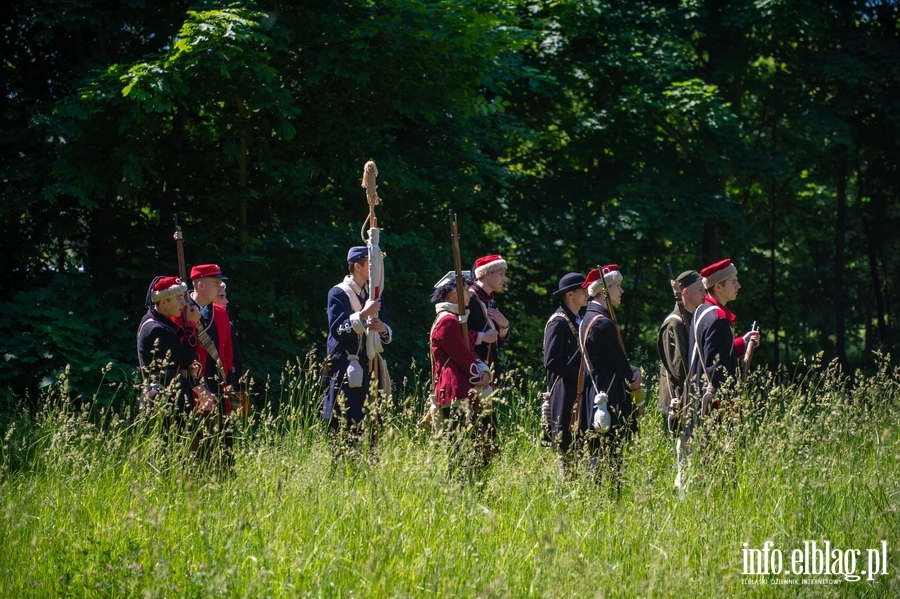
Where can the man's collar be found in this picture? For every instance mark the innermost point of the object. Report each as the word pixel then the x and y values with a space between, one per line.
pixel 573 316
pixel 481 292
pixel 728 313
pixel 196 303
pixel 357 289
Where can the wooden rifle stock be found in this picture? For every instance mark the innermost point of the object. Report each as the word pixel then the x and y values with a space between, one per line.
pixel 682 312
pixel 679 301
pixel 182 267
pixel 612 311
pixel 748 356
pixel 460 283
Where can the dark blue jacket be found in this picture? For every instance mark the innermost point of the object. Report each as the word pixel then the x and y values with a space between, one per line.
pixel 347 336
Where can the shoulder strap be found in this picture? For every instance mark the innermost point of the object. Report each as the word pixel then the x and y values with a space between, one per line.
pixel 557 315
pixel 487 318
pixel 351 295
pixel 138 344
pixel 696 353
pixel 581 342
pixel 564 317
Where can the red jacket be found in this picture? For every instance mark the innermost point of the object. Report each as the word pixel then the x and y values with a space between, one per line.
pixel 455 362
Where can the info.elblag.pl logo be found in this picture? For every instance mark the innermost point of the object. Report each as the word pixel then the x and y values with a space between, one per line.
pixel 814 559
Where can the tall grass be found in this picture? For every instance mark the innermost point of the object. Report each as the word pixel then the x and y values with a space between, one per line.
pixel 811 457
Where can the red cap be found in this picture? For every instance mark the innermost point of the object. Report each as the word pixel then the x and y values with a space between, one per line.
pixel 166 282
pixel 594 275
pixel 486 264
pixel 714 268
pixel 166 288
pixel 201 271
pixel 609 268
pixel 718 272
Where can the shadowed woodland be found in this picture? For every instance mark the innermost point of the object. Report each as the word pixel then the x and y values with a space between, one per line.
pixel 564 134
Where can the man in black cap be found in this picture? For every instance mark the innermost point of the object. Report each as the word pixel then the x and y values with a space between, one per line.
pixel 562 359
pixel 352 315
pixel 672 347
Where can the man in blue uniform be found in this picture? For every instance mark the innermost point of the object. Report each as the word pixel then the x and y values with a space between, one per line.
pixel 352 316
pixel 713 348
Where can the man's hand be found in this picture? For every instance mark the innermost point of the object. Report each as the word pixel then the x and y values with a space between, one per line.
pixel 370 309
pixel 484 381
pixel 193 313
pixel 498 317
pixel 490 336
pixel 205 401
pixel 374 324
pixel 751 337
pixel 636 379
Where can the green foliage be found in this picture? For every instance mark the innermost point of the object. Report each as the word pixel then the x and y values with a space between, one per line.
pixel 565 134
pixel 61 329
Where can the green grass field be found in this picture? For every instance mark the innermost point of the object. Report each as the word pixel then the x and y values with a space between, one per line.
pixel 85 515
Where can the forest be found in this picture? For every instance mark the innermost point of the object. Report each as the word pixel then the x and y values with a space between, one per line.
pixel 563 134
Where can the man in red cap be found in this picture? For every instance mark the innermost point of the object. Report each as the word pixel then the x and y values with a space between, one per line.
pixel 167 348
pixel 216 350
pixel 487 325
pixel 216 355
pixel 487 328
pixel 714 350
pixel 609 375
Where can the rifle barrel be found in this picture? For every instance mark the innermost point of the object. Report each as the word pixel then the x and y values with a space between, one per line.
pixel 460 285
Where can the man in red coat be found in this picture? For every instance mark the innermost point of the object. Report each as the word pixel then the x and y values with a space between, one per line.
pixel 458 373
pixel 215 353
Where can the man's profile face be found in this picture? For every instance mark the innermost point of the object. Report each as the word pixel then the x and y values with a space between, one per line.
pixel 494 280
pixel 693 295
pixel 615 293
pixel 361 268
pixel 171 307
pixel 207 290
pixel 579 297
pixel 728 289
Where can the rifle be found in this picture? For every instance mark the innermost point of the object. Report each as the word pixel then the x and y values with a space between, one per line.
pixel 233 397
pixel 460 283
pixel 748 357
pixel 575 420
pixel 682 312
pixel 637 395
pixel 182 268
pixel 679 301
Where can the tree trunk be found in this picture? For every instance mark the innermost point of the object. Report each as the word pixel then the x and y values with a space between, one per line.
pixel 839 232
pixel 242 177
pixel 773 270
pixel 711 248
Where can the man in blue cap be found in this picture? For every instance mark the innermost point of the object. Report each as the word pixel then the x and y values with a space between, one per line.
pixel 352 315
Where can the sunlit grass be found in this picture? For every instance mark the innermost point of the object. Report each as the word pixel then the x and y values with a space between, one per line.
pixel 86 514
